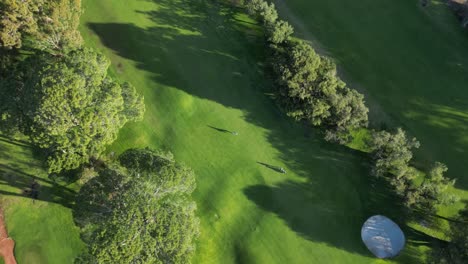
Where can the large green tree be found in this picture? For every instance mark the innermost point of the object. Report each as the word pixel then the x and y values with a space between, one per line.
pixel 52 24
pixel 309 89
pixel 72 109
pixel 308 86
pixel 139 211
pixel 392 154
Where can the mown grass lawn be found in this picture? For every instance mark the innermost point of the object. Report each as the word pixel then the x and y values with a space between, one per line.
pixel 199 64
pixel 410 61
pixel 43 230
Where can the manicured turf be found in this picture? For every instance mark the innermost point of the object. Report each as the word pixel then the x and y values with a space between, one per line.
pixel 43 230
pixel 199 64
pixel 410 61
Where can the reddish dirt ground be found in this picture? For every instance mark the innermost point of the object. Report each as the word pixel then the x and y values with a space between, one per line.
pixel 7 244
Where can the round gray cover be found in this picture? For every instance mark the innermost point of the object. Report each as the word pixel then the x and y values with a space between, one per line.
pixel 382 236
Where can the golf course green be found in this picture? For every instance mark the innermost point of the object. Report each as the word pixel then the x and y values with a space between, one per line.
pixel 200 65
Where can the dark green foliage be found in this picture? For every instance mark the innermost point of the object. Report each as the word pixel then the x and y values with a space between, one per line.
pixel 279 32
pixel 455 251
pixel 266 12
pixel 139 213
pixel 9 86
pixel 433 190
pixel 392 155
pixel 392 152
pixel 73 109
pixel 160 169
pixel 309 89
pixel 8 60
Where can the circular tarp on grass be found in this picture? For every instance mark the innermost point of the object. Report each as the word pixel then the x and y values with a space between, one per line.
pixel 382 236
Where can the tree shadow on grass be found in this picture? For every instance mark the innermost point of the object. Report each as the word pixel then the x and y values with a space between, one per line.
pixel 204 49
pixel 16 178
pixel 187 49
pixel 336 198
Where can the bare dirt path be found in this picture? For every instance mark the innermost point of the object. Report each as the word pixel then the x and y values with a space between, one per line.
pixel 7 244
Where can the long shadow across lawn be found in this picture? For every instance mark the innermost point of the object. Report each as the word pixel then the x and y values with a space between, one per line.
pixel 414 68
pixel 15 179
pixel 202 48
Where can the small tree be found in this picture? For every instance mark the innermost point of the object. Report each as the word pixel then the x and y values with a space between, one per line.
pixel 279 32
pixel 433 191
pixel 392 152
pixel 58 27
pixel 266 12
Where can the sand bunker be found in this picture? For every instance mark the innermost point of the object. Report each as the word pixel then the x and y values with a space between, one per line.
pixel 7 244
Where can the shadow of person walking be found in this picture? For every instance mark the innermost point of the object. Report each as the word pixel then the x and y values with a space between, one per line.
pixel 223 130
pixel 272 167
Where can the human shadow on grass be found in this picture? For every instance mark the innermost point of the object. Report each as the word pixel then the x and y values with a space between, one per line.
pixel 222 130
pixel 201 48
pixel 339 194
pixel 272 167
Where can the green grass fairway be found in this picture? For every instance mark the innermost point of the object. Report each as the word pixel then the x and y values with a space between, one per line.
pixel 410 61
pixel 199 64
pixel 43 230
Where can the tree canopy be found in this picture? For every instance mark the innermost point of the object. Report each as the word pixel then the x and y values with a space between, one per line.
pixel 139 211
pixel 392 152
pixel 53 24
pixel 392 155
pixel 309 89
pixel 433 190
pixel 72 109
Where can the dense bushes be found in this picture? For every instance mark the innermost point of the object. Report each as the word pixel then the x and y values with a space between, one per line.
pixel 307 85
pixel 392 154
pixel 139 211
pixel 308 89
